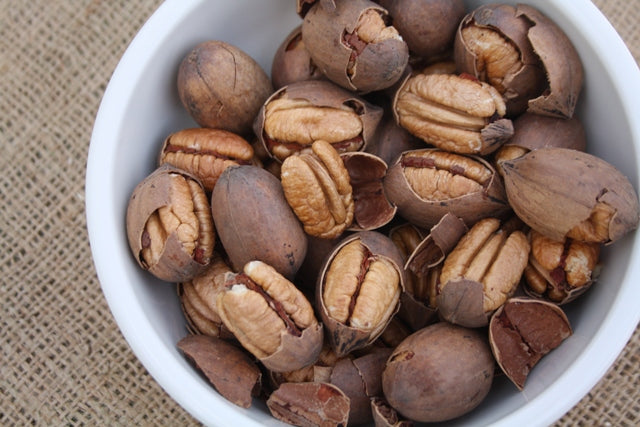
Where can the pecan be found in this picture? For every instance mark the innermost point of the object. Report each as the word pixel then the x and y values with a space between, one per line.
pixel 482 271
pixel 316 186
pixel 560 270
pixel 205 153
pixel 270 317
pixel 292 63
pixel 229 369
pixel 198 299
pixel 454 113
pixel 303 112
pixel 426 184
pixel 309 404
pixel 561 193
pixel 359 289
pixel 169 225
pixel 522 331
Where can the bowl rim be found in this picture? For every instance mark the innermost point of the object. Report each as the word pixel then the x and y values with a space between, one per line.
pixel 133 324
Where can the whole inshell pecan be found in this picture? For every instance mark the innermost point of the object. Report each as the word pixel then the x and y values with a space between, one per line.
pixel 270 317
pixel 482 271
pixel 426 184
pixel 301 113
pixel 452 112
pixel 523 331
pixel 359 289
pixel 198 299
pixel 567 193
pixel 316 186
pixel 525 55
pixel 205 153
pixel 169 225
pixel 292 62
pixel 560 270
pixel 353 45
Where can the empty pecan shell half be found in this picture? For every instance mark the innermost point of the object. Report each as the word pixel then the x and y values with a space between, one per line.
pixel 359 290
pixel 454 113
pixel 316 186
pixel 169 225
pixel 482 271
pixel 426 184
pixel 297 115
pixel 270 317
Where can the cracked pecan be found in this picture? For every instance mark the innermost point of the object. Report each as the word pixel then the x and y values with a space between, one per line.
pixel 426 184
pixel 309 404
pixel 316 186
pixel 270 317
pixel 169 225
pixel 359 289
pixel 205 153
pixel 452 112
pixel 560 271
pixel 482 271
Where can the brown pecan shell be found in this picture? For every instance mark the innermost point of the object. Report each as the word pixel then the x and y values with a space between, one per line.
pixel 292 63
pixel 309 404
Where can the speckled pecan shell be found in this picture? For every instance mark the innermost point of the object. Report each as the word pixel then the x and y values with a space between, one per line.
pixel 341 50
pixel 158 192
pixel 488 200
pixel 322 94
pixel 255 221
pixel 542 46
pixel 343 337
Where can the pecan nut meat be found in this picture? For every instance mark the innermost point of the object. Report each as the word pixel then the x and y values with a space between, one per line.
pixel 426 184
pixel 560 271
pixel 169 225
pixel 297 115
pixel 205 152
pixel 270 317
pixel 359 290
pixel 316 186
pixel 482 271
pixel 452 112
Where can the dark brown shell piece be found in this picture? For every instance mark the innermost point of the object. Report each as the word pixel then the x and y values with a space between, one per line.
pixel 309 404
pixel 292 62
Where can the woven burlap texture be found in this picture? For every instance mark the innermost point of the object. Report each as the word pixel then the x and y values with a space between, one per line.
pixel 64 361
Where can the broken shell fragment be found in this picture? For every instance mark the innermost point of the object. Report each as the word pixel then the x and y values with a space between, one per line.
pixel 523 331
pixel 169 225
pixel 270 317
pixel 309 404
pixel 567 193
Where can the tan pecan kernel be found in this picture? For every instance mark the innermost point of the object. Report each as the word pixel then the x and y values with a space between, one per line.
pixel 439 175
pixel 360 290
pixel 560 270
pixel 316 186
pixel 205 152
pixel 293 124
pixel 262 308
pixel 491 255
pixel 453 113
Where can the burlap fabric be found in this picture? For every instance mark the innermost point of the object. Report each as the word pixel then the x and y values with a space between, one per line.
pixel 63 358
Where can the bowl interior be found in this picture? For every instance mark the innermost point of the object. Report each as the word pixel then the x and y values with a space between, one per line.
pixel 141 107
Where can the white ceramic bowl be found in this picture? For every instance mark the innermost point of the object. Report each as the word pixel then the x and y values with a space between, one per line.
pixel 140 107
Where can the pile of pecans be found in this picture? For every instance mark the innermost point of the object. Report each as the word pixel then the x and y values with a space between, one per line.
pixel 404 206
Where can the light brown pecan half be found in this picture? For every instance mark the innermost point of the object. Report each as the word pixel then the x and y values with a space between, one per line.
pixel 205 152
pixel 169 225
pixel 270 317
pixel 482 271
pixel 560 270
pixel 316 186
pixel 452 112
